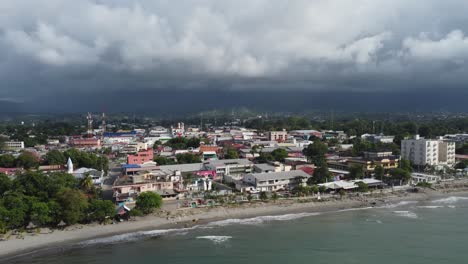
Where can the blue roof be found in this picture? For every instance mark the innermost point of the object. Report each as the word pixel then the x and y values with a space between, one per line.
pixel 131 166
pixel 120 134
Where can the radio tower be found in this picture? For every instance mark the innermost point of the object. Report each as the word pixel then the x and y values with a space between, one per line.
pixel 90 125
pixel 103 125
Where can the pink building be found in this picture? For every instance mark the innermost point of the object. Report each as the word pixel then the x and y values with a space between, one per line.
pixel 207 174
pixel 141 157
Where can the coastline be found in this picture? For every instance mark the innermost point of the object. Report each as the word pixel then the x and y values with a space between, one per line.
pixel 62 239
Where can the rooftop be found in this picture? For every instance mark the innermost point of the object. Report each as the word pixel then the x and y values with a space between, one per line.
pixel 280 175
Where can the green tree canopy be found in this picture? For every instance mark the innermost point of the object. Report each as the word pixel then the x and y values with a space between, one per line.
pixel 74 205
pixel 147 202
pixel 7 161
pixel 55 157
pixel 315 152
pixel 185 158
pixel 27 160
pixel 99 210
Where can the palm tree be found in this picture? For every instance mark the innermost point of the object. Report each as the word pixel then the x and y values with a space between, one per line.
pixel 86 183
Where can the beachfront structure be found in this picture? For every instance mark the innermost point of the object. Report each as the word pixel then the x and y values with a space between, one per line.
pixel 273 181
pixel 14 145
pixel 421 151
pixel 127 187
pixel 422 177
pixel 368 164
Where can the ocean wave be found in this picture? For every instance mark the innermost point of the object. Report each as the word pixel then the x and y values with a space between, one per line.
pixel 259 219
pixel 130 237
pixel 407 214
pixel 374 221
pixel 450 200
pixel 402 203
pixel 431 206
pixel 216 239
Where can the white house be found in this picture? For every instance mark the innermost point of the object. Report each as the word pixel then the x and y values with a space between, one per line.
pixel 273 181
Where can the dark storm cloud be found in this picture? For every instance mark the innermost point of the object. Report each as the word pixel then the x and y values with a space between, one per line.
pixel 57 49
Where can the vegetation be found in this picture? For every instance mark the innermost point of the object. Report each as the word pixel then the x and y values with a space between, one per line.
pixel 315 152
pixel 183 143
pixel 356 171
pixel 362 187
pixel 46 200
pixel 231 153
pixel 424 184
pixel 87 160
pixel 147 202
pixel 276 155
pixel 164 161
pixel 188 158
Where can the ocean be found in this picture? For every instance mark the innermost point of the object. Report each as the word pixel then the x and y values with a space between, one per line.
pixel 406 232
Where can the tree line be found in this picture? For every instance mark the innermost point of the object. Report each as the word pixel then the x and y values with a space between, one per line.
pixel 49 200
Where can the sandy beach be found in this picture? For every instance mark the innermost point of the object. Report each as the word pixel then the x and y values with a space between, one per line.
pixel 37 243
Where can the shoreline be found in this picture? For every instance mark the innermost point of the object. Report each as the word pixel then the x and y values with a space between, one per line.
pixel 62 240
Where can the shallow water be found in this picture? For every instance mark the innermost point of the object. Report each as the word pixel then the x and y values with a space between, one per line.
pixel 406 232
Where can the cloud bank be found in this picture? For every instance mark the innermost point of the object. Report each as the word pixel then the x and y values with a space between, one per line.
pixel 65 46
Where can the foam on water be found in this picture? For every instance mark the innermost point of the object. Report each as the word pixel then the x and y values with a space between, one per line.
pixel 215 239
pixel 431 206
pixel 408 214
pixel 402 203
pixel 451 200
pixel 129 237
pixel 260 219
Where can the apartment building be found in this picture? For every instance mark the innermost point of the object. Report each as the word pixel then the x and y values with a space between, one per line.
pixel 421 151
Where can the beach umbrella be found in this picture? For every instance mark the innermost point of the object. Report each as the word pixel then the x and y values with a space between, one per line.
pixel 62 224
pixel 31 225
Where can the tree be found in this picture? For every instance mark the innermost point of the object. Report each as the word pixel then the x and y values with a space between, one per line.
pixel 148 201
pixel 164 161
pixel 401 175
pixel 7 161
pixel 355 172
pixel 73 204
pixel 5 184
pixel 55 157
pixel 86 184
pixel 99 210
pixel 279 154
pixel 32 183
pixel 40 213
pixel 321 175
pixel 379 172
pixel 315 152
pixel 27 160
pixel 193 143
pixel 156 144
pixel 362 187
pixel 263 196
pixel 185 158
pixel 231 153
pixel 274 196
pixel 406 165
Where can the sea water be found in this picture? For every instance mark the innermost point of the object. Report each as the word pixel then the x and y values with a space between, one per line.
pixel 406 232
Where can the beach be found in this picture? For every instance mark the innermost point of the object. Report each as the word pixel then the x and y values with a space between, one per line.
pixel 183 218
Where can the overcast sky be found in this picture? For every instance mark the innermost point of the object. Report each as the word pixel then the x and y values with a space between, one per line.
pixel 55 49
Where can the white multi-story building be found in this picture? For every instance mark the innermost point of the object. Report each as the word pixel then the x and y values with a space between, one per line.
pixel 421 151
pixel 14 145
